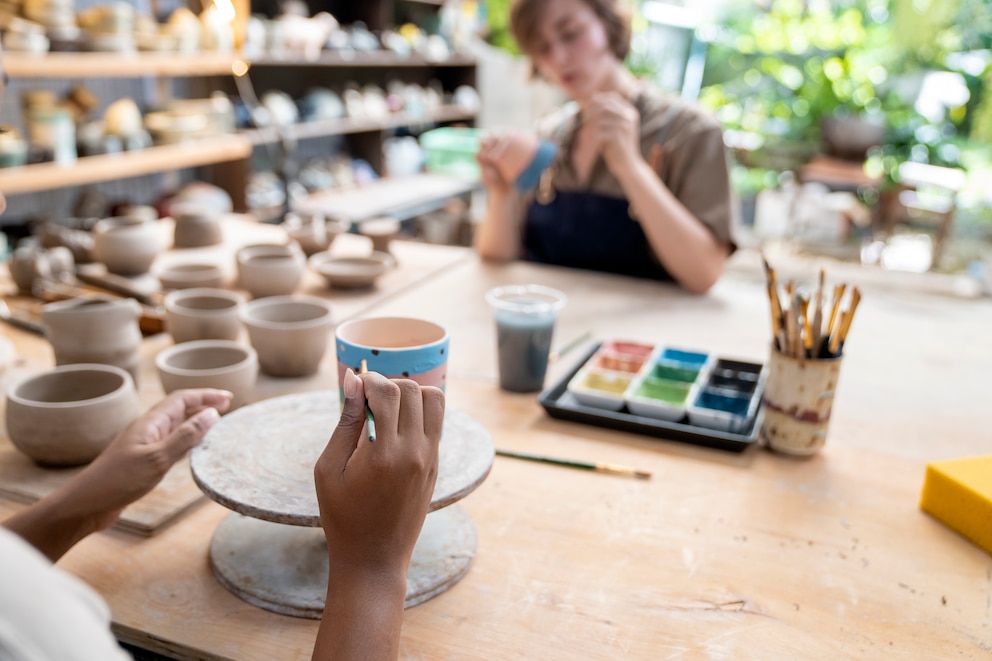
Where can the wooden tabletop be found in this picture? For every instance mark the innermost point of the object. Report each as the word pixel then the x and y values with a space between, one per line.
pixel 720 555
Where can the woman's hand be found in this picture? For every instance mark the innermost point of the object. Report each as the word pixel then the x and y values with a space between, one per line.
pixel 502 157
pixel 615 126
pixel 134 462
pixel 373 498
pixel 142 454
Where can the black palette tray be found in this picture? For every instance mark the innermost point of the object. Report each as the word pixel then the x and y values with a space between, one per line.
pixel 561 404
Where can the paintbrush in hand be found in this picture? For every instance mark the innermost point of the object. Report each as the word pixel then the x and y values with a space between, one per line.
pixel 369 419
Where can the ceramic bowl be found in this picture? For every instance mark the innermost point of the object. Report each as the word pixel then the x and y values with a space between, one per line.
pixel 271 270
pixel 290 333
pixel 196 226
pixel 209 364
pixel 203 313
pixel 351 272
pixel 126 246
pixel 190 274
pixel 68 415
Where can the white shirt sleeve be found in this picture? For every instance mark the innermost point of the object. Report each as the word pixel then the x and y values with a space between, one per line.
pixel 47 614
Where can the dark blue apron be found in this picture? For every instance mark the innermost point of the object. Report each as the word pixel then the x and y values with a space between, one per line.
pixel 589 231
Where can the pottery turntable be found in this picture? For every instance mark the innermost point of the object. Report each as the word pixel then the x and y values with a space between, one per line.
pixel 258 461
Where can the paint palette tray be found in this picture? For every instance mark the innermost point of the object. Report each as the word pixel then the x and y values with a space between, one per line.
pixel 667 392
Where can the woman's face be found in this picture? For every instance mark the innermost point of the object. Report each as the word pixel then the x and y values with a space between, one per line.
pixel 573 49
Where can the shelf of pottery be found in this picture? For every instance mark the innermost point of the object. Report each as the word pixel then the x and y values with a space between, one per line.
pixel 294 79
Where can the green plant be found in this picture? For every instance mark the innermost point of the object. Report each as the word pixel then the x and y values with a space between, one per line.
pixel 781 71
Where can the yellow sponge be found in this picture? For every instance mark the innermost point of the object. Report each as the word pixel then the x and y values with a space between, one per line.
pixel 958 492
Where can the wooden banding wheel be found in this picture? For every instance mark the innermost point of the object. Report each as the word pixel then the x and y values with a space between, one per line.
pixel 258 461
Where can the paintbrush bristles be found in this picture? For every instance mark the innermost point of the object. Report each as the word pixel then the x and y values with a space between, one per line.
pixel 804 329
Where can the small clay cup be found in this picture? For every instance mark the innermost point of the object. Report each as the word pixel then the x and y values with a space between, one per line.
pixel 190 275
pixel 126 246
pixel 209 364
pixel 270 270
pixel 290 333
pixel 68 415
pixel 203 313
pixel 396 347
pixel 196 226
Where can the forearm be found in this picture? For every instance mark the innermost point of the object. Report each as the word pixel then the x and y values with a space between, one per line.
pixel 53 525
pixel 686 247
pixel 498 235
pixel 363 615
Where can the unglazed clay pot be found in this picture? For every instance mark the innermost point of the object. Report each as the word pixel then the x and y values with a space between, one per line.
pixel 270 270
pixel 290 333
pixel 68 415
pixel 190 275
pixel 196 226
pixel 95 329
pixel 203 314
pixel 30 263
pixel 126 246
pixel 209 364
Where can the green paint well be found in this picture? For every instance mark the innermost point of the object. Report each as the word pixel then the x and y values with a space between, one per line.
pixel 673 392
pixel 674 373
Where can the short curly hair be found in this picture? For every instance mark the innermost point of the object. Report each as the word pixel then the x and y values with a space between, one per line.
pixel 526 15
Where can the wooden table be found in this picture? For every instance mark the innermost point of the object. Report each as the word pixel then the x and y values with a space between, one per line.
pixel 719 556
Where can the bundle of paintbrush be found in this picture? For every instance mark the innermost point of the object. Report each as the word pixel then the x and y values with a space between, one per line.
pixel 810 325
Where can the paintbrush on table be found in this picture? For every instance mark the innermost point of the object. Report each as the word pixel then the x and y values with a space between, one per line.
pixel 558 354
pixel 369 418
pixel 612 469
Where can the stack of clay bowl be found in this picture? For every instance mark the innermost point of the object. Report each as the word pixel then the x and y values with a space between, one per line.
pixel 59 19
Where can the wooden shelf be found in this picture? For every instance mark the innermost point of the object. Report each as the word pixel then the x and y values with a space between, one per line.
pixel 118 65
pixel 373 59
pixel 347 125
pixel 95 169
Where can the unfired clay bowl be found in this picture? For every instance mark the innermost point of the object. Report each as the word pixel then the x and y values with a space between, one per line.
pixel 196 226
pixel 271 270
pixel 68 415
pixel 203 313
pixel 189 275
pixel 290 333
pixel 126 246
pixel 351 272
pixel 209 364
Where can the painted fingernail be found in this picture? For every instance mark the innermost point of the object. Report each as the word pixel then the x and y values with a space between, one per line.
pixel 350 384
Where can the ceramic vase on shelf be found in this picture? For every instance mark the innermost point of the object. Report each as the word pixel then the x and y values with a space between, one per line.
pixel 95 329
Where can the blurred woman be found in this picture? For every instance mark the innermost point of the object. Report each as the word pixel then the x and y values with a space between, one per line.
pixel 624 179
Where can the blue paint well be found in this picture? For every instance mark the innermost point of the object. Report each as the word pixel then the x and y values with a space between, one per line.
pixel 710 399
pixel 688 358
